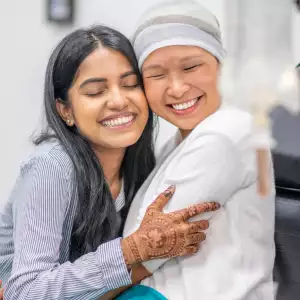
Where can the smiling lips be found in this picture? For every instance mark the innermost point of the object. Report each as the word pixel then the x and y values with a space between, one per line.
pixel 185 107
pixel 119 121
pixel 123 121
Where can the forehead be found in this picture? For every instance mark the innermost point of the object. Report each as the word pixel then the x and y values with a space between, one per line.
pixel 171 54
pixel 103 62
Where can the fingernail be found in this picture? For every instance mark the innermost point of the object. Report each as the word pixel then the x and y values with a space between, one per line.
pixel 169 191
pixel 217 205
pixel 205 225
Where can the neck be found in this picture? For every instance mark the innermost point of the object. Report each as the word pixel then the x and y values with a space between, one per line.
pixel 111 161
pixel 214 108
pixel 184 133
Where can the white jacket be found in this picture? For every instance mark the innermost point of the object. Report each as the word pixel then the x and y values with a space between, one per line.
pixel 216 162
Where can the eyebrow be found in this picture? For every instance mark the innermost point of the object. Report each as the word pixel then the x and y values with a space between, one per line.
pixel 151 67
pixel 191 57
pixel 92 80
pixel 99 79
pixel 126 74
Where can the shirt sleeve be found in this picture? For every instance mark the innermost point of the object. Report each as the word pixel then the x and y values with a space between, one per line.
pixel 41 198
pixel 208 168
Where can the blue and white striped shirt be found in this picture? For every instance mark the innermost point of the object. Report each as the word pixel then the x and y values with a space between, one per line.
pixel 35 232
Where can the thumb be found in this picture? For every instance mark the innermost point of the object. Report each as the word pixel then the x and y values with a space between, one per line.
pixel 162 199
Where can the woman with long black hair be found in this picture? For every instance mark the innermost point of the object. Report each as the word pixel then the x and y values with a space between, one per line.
pixel 59 232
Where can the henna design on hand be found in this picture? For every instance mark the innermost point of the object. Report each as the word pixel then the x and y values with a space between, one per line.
pixel 166 235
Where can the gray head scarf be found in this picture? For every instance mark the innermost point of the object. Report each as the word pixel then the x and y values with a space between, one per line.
pixel 184 23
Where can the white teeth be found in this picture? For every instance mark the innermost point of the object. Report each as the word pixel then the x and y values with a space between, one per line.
pixel 185 105
pixel 118 121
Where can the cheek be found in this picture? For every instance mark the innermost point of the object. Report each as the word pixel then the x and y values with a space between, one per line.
pixel 206 82
pixel 154 93
pixel 141 102
pixel 86 112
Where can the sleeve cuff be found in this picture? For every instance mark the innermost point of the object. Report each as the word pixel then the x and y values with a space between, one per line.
pixel 113 266
pixel 263 139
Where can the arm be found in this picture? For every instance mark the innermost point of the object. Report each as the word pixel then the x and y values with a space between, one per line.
pixel 208 168
pixel 41 199
pixel 139 272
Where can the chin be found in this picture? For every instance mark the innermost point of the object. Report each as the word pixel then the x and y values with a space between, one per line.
pixel 123 142
pixel 186 125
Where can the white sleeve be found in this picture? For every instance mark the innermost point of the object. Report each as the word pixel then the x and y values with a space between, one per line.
pixel 208 168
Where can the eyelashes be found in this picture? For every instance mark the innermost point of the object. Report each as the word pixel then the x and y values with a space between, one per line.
pixel 192 67
pixel 156 76
pixel 99 93
pixel 161 75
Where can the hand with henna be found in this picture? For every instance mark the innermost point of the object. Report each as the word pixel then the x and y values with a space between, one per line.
pixel 166 235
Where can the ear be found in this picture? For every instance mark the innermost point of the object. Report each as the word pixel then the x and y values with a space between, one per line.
pixel 65 112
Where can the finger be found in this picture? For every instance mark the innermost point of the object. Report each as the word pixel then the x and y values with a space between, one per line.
pixel 185 214
pixel 192 249
pixel 198 226
pixel 196 238
pixel 163 198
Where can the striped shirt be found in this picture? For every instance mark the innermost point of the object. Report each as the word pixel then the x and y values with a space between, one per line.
pixel 35 231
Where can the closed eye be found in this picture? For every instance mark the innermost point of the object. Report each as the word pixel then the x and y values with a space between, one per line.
pixel 131 86
pixel 155 76
pixel 192 67
pixel 94 94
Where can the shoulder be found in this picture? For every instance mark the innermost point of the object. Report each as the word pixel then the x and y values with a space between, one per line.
pixel 169 145
pixel 46 157
pixel 46 179
pixel 223 138
pixel 230 122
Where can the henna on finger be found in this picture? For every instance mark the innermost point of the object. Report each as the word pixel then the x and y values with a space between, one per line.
pixel 186 213
pixel 206 207
pixel 196 238
pixel 192 249
pixel 198 226
pixel 162 199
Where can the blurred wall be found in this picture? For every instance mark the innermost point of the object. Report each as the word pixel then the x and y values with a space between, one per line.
pixel 26 42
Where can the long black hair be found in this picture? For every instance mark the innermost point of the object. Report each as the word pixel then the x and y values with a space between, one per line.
pixel 97 220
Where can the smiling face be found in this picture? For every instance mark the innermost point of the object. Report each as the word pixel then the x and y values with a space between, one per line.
pixel 107 104
pixel 181 85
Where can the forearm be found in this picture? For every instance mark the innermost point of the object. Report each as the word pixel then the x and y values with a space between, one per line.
pixel 92 275
pixel 138 273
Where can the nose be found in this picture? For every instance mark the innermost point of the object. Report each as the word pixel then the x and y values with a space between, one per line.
pixel 177 87
pixel 117 100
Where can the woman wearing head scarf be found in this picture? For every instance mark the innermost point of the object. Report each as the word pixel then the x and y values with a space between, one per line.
pixel 180 53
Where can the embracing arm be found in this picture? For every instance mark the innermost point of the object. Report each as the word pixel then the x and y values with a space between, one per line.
pixel 41 198
pixel 139 272
pixel 208 168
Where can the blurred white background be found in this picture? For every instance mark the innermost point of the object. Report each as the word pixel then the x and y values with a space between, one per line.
pixel 27 40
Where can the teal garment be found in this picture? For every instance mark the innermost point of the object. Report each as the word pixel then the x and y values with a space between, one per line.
pixel 141 292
